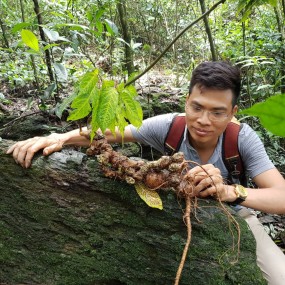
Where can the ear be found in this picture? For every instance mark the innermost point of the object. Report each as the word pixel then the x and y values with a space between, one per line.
pixel 235 110
pixel 186 102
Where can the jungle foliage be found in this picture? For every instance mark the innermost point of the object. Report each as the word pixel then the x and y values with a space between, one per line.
pixel 51 47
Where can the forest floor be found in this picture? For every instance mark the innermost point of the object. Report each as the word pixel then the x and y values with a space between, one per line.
pixel 23 101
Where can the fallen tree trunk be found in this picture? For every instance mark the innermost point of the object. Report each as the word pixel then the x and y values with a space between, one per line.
pixel 63 222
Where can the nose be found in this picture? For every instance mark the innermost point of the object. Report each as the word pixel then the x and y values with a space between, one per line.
pixel 204 118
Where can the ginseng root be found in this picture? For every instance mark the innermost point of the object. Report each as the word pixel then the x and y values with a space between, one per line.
pixel 164 173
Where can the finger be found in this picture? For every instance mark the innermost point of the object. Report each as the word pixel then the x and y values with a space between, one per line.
pixel 25 150
pixel 11 149
pixel 41 143
pixel 25 153
pixel 53 148
pixel 210 191
pixel 209 181
pixel 202 171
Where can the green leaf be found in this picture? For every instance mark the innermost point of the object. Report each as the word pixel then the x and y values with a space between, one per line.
pixel 271 114
pixel 18 27
pixel 60 71
pixel 87 90
pixel 88 81
pixel 63 106
pixel 121 121
pixel 111 27
pixel 74 27
pixel 108 104
pixel 48 91
pixel 82 107
pixel 30 39
pixel 95 105
pixel 133 109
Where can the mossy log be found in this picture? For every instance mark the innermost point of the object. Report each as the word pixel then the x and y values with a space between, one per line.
pixel 63 222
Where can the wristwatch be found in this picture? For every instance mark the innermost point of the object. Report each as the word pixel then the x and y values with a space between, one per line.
pixel 241 193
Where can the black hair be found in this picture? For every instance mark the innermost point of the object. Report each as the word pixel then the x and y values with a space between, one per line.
pixel 220 75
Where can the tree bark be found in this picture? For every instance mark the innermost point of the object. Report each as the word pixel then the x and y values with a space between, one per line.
pixel 280 16
pixel 3 29
pixel 43 38
pixel 129 62
pixel 31 56
pixel 63 222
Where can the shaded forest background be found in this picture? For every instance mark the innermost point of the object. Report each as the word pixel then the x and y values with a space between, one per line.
pixel 46 46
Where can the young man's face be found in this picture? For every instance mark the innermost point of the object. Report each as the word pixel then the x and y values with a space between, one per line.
pixel 208 111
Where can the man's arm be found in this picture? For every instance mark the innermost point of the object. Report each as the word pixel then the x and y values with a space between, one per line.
pixel 270 196
pixel 24 151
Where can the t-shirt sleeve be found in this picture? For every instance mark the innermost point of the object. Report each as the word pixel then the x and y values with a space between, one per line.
pixel 153 131
pixel 253 153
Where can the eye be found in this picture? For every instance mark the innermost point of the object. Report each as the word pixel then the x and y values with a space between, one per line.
pixel 196 108
pixel 218 114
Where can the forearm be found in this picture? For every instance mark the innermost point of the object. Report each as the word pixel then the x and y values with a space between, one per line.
pixel 268 200
pixel 75 138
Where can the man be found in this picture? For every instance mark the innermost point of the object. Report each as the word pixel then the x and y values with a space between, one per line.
pixel 210 106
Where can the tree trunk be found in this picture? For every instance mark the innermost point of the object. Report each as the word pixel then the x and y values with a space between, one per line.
pixel 208 31
pixel 3 29
pixel 31 56
pixel 62 222
pixel 43 38
pixel 280 16
pixel 129 63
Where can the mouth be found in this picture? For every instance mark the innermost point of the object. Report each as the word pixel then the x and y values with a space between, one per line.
pixel 201 132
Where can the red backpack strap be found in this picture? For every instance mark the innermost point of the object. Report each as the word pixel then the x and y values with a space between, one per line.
pixel 174 136
pixel 231 155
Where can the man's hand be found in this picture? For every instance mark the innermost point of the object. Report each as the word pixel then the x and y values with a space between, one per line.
pixel 208 181
pixel 24 151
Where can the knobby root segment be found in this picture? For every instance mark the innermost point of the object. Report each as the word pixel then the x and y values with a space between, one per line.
pixel 165 173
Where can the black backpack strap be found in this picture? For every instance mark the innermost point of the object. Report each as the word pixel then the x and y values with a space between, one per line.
pixel 174 136
pixel 231 155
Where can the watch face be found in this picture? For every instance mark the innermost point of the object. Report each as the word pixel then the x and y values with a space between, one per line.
pixel 242 191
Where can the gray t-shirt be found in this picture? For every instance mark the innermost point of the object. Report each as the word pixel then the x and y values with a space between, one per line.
pixel 154 130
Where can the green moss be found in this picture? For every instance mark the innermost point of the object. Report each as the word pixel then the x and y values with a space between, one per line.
pixel 69 226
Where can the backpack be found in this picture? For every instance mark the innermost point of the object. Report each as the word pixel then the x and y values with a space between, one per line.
pixel 230 152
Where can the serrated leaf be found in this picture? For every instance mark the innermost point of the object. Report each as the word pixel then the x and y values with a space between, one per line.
pixel 30 39
pixel 133 109
pixel 271 114
pixel 151 197
pixel 82 111
pixel 121 121
pixel 95 104
pixel 87 90
pixel 108 104
pixel 88 81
